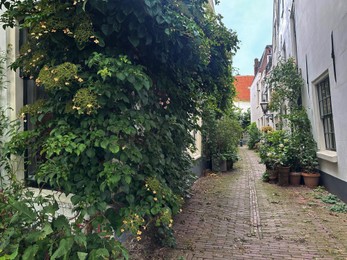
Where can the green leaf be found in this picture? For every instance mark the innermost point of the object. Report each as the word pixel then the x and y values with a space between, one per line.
pixel 127 179
pixel 120 76
pixel 114 148
pixel 25 210
pixel 91 211
pixel 134 41
pixel 64 248
pixel 47 230
pixel 11 256
pixel 30 252
pixel 90 153
pixel 103 252
pixel 130 198
pixel 81 240
pixel 104 143
pixel 155 210
pixel 82 255
pixel 75 199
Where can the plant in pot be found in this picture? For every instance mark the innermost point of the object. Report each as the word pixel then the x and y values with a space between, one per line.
pixel 309 164
pixel 224 138
pixel 267 153
pixel 304 147
pixel 283 156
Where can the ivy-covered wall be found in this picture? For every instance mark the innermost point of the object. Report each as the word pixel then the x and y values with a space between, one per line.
pixel 125 83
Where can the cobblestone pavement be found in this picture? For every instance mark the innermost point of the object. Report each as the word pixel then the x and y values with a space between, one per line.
pixel 237 216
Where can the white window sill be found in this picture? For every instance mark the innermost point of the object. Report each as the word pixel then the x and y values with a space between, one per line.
pixel 196 156
pixel 330 156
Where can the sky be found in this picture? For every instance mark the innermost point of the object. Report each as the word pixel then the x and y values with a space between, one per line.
pixel 252 21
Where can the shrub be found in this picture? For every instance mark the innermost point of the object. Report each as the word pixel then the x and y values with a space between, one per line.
pixel 254 135
pixel 122 96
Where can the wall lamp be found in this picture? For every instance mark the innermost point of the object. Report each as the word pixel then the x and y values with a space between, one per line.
pixel 265 108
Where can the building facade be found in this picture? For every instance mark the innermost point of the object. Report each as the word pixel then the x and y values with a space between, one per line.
pixel 316 36
pixel 259 90
pixel 243 86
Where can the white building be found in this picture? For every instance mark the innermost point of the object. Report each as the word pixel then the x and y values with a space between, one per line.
pixel 315 34
pixel 259 91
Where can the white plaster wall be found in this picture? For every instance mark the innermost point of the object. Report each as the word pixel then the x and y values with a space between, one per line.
pixel 315 22
pixel 243 105
pixel 283 39
pixel 3 49
pixel 256 113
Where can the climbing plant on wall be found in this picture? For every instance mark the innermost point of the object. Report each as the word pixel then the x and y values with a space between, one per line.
pixel 124 83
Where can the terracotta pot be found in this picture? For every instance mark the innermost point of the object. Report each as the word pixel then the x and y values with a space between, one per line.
pixel 311 179
pixel 283 176
pixel 295 178
pixel 273 175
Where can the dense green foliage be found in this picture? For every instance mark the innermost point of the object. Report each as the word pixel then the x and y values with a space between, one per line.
pixel 286 85
pixel 254 135
pixel 221 132
pixel 299 151
pixel 125 82
pixel 303 145
pixel 275 149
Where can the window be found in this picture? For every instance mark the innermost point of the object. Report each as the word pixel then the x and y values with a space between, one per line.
pixel 31 93
pixel 326 113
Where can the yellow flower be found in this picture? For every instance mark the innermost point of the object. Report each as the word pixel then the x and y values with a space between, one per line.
pixel 80 80
pixel 55 79
pixel 122 230
pixel 139 232
pixel 96 41
pixel 138 238
pixel 89 105
pixel 125 222
pixel 154 192
pixel 155 199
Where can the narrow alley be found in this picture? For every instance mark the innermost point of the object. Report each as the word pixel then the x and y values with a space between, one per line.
pixel 237 216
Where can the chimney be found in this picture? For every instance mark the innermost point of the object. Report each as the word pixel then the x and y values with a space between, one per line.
pixel 256 66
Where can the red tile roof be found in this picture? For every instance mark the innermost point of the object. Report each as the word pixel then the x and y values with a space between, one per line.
pixel 243 85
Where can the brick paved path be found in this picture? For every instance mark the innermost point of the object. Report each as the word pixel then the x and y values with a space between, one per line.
pixel 237 216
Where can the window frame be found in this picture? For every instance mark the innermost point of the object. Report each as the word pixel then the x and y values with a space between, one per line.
pixel 326 112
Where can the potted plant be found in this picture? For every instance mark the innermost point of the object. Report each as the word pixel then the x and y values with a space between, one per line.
pixel 272 151
pixel 222 138
pixel 309 163
pixel 282 156
pixel 304 147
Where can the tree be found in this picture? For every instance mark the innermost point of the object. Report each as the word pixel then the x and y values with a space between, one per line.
pixel 124 84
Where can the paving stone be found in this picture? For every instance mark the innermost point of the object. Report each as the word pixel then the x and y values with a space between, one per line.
pixel 237 216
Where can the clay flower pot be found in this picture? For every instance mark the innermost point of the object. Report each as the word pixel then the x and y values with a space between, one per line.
pixel 295 178
pixel 283 175
pixel 311 179
pixel 273 175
